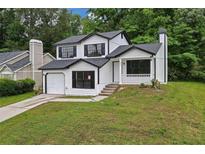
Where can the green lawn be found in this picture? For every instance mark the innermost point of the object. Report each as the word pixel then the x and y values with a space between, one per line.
pixel 173 115
pixel 16 98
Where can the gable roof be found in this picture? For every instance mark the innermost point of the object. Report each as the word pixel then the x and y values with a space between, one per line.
pixel 149 48
pixel 98 62
pixel 79 38
pixel 19 64
pixel 63 64
pixel 5 56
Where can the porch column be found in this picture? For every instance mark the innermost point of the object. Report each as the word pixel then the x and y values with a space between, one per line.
pixel 120 71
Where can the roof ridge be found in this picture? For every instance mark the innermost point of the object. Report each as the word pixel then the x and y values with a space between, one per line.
pixel 148 43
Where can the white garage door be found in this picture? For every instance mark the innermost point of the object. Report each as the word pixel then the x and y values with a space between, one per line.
pixel 55 84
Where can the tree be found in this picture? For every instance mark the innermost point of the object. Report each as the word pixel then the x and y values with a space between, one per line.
pixel 186 31
pixel 18 26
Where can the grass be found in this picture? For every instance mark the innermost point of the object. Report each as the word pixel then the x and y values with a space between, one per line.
pixel 16 98
pixel 173 115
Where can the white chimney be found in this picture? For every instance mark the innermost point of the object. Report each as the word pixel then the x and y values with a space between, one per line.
pixel 164 54
pixel 36 58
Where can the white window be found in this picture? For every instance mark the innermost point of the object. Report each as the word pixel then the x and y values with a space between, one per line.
pixel 67 51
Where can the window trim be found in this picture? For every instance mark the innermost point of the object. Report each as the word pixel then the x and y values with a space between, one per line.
pixel 60 55
pixel 138 60
pixel 83 87
pixel 86 53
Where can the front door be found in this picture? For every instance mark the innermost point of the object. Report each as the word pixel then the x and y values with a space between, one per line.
pixel 116 72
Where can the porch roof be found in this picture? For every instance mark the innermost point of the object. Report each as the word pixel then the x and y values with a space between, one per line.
pixel 63 64
pixel 149 48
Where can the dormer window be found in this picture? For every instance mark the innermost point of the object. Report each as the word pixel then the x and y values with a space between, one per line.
pixel 67 52
pixel 94 50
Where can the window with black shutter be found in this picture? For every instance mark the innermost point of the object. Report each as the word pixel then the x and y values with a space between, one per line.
pixel 67 52
pixel 138 67
pixel 83 79
pixel 94 50
pixel 60 52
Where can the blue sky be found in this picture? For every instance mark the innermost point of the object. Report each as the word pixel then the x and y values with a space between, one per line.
pixel 81 11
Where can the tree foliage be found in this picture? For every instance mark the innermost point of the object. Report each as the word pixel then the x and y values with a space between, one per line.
pixel 186 33
pixel 18 26
pixel 186 30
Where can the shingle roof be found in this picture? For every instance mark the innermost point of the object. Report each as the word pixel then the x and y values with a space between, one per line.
pixel 62 64
pixel 150 48
pixel 99 62
pixel 111 34
pixel 72 39
pixel 59 64
pixel 8 55
pixel 19 64
pixel 79 38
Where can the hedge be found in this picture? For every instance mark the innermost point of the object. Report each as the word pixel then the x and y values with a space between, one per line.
pixel 10 87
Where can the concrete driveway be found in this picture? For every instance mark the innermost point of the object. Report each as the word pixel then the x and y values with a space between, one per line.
pixel 12 110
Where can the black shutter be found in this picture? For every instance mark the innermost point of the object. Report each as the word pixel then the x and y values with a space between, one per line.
pixel 74 51
pixel 92 80
pixel 103 48
pixel 73 79
pixel 85 50
pixel 60 52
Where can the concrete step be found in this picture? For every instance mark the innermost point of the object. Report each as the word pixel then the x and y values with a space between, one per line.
pixel 112 86
pixel 107 90
pixel 105 94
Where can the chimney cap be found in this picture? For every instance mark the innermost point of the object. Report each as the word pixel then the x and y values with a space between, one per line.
pixel 162 30
pixel 35 41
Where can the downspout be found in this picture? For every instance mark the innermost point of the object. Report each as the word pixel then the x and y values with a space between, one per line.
pixel 108 46
pixel 33 61
pixel 155 68
pixel 165 59
pixel 98 75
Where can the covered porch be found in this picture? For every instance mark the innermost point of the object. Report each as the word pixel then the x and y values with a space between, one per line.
pixel 133 70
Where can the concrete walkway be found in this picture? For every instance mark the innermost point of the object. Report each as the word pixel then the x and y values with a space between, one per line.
pixel 94 99
pixel 12 110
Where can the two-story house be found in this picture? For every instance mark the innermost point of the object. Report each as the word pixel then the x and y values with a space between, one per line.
pixel 85 64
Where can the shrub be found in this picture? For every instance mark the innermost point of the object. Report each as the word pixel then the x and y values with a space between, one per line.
pixel 155 84
pixel 9 87
pixel 142 85
pixel 181 65
pixel 198 76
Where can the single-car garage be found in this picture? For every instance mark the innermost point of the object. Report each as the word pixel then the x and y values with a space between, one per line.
pixel 55 83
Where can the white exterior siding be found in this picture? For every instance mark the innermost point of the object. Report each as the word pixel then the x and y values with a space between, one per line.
pixel 160 61
pixel 105 75
pixel 136 54
pixel 95 39
pixel 117 41
pixel 81 66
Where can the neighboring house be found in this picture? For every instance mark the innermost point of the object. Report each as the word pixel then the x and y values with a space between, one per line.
pixel 85 64
pixel 18 65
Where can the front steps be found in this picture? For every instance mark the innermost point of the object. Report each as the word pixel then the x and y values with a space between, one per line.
pixel 109 89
